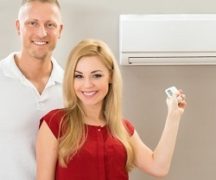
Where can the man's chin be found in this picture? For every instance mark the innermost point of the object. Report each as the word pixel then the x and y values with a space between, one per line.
pixel 41 55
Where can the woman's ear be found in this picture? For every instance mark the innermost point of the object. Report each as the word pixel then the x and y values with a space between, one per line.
pixel 110 79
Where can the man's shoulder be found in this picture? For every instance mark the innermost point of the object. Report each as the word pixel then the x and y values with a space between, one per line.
pixel 8 58
pixel 2 61
pixel 57 72
pixel 57 65
pixel 6 63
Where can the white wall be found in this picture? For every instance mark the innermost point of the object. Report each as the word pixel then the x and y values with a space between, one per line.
pixel 144 98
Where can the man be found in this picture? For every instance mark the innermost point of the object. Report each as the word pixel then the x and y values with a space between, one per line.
pixel 30 86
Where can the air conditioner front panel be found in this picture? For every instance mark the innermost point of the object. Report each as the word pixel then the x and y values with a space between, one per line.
pixel 168 34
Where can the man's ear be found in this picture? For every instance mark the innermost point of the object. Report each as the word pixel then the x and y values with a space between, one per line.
pixel 60 30
pixel 18 26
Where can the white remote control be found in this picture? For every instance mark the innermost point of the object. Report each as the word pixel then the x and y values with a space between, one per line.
pixel 171 91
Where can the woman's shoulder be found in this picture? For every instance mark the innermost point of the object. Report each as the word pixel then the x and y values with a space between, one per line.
pixel 53 120
pixel 55 113
pixel 53 117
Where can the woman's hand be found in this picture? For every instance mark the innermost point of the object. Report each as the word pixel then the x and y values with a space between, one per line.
pixel 176 103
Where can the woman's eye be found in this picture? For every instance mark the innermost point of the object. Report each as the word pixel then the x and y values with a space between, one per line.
pixel 97 75
pixel 78 76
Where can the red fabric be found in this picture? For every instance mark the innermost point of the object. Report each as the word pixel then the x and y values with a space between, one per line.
pixel 102 157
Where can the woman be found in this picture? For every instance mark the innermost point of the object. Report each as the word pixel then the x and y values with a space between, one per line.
pixel 88 139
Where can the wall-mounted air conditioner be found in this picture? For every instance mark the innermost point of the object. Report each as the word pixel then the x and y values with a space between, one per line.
pixel 168 39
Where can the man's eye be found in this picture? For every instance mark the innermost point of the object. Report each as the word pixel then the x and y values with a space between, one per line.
pixel 51 25
pixel 32 23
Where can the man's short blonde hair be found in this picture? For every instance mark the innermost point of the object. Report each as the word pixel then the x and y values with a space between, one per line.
pixel 43 1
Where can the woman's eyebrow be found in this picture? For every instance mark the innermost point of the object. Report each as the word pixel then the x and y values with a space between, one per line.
pixel 78 72
pixel 96 71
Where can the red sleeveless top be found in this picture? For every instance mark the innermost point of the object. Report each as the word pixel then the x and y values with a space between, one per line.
pixel 102 157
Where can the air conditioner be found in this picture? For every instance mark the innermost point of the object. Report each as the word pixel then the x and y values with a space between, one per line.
pixel 168 39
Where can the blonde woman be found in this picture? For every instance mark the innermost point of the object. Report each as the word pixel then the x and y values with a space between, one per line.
pixel 89 139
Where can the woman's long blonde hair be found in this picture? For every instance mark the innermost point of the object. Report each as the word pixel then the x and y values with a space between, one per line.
pixel 72 124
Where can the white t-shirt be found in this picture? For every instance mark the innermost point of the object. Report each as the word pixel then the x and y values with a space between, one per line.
pixel 21 107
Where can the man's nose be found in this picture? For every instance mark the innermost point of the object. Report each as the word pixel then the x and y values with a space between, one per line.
pixel 41 31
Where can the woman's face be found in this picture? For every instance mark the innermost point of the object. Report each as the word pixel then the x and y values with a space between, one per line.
pixel 91 81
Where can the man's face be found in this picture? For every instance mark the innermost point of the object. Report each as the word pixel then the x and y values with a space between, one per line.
pixel 39 26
